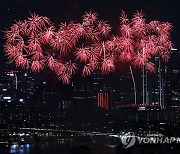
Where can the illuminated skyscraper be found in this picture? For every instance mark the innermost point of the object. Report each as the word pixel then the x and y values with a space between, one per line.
pixel 7 87
pixel 172 80
pixel 92 91
pixel 162 87
pixel 154 85
pixel 83 92
pixel 16 85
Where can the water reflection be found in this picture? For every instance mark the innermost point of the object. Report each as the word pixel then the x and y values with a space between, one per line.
pixel 24 149
pixel 40 147
pixel 67 148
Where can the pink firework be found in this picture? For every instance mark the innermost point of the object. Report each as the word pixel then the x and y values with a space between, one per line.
pixel 107 65
pixel 32 44
pixel 36 44
pixel 37 66
pixel 150 67
pixel 83 53
pixel 21 61
pixel 104 28
pixel 48 35
pixel 87 70
pixel 89 18
pixel 139 41
pixel 65 78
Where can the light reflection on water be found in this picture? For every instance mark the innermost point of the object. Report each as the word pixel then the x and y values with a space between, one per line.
pixel 40 148
pixel 54 148
pixel 25 149
pixel 65 148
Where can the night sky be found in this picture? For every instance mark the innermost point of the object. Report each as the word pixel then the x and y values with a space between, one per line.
pixel 67 10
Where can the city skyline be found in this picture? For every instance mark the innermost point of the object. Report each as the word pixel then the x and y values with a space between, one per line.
pixel 118 86
pixel 123 90
pixel 103 91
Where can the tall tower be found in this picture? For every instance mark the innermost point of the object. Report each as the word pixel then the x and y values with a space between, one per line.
pixel 102 91
pixel 155 82
pixel 172 80
pixel 16 85
pixel 7 87
pixel 83 92
pixel 162 87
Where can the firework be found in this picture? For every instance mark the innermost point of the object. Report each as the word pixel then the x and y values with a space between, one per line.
pixel 35 44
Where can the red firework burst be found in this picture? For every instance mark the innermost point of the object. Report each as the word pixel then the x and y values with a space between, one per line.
pixel 36 44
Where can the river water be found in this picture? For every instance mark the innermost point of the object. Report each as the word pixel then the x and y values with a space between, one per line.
pixel 57 147
pixel 60 147
pixel 38 148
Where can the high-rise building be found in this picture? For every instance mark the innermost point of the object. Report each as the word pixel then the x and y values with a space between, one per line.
pixel 172 80
pixel 123 92
pixel 7 87
pixel 154 84
pixel 162 87
pixel 16 85
pixel 25 87
pixel 92 91
pixel 85 91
